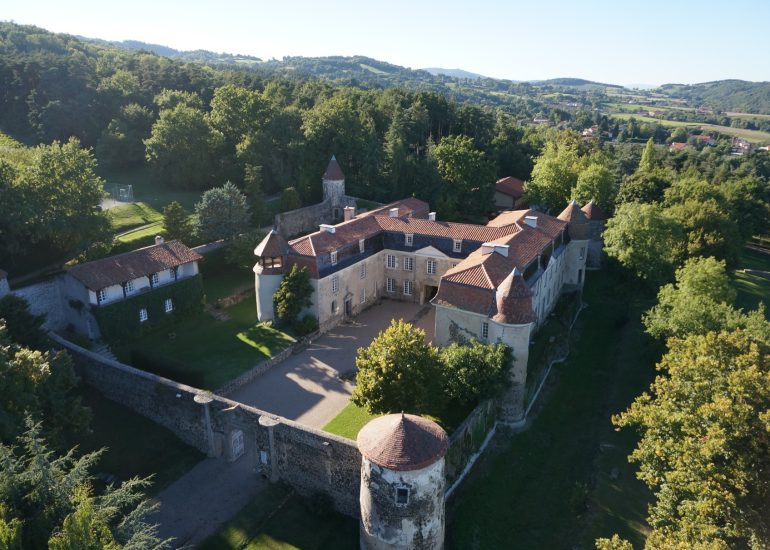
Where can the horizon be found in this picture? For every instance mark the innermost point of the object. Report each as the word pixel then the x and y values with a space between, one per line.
pixel 601 44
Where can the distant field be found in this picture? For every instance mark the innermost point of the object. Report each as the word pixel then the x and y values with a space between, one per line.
pixel 156 195
pixel 371 69
pixel 747 115
pixel 754 136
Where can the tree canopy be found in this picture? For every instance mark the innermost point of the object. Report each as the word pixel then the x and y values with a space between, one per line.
pixel 222 213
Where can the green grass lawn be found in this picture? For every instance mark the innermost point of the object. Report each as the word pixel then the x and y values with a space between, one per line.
pixel 349 421
pixel 752 289
pixel 550 486
pixel 221 350
pixel 221 280
pixel 136 446
pixel 153 193
pixel 133 214
pixel 278 519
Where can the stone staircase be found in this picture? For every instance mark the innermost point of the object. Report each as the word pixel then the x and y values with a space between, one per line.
pixel 104 350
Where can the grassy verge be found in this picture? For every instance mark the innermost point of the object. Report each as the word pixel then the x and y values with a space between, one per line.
pixel 752 289
pixel 220 350
pixel 349 421
pixel 565 480
pixel 132 214
pixel 154 194
pixel 278 519
pixel 136 446
pixel 220 279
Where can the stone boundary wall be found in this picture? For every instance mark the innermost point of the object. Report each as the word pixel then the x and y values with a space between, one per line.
pixel 310 460
pixel 209 247
pixel 46 298
pixel 255 372
pixel 467 439
pixel 308 218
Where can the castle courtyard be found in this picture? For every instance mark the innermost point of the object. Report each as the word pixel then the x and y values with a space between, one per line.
pixel 313 386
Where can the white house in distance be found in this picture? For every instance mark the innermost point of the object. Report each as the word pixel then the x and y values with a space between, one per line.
pixel 122 277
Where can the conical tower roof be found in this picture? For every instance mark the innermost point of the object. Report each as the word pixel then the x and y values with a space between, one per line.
pixel 514 300
pixel 272 246
pixel 593 212
pixel 333 171
pixel 578 223
pixel 402 442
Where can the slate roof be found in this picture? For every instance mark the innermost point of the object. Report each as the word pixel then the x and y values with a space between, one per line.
pixel 513 187
pixel 593 212
pixel 118 269
pixel 333 170
pixel 272 246
pixel 402 442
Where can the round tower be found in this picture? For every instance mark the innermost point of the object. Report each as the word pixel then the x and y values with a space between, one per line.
pixel 402 483
pixel 268 272
pixel 333 182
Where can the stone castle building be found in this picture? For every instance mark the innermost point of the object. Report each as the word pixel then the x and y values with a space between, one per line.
pixel 496 282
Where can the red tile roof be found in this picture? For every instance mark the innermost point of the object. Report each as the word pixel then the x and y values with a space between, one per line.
pixel 514 301
pixel 578 223
pixel 272 246
pixel 593 212
pixel 124 267
pixel 513 187
pixel 333 170
pixel 402 442
pixel 677 146
pixel 465 231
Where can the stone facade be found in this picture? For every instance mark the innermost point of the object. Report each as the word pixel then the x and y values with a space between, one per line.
pixel 46 298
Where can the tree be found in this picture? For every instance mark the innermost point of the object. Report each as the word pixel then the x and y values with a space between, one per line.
pixel 596 182
pixel 645 239
pixel 181 146
pixel 699 302
pixel 222 213
pixel 252 183
pixel 650 159
pixel 644 186
pixel 709 229
pixel 121 144
pixel 554 176
pixel 293 294
pixel 239 251
pixel 467 174
pixel 476 371
pixel 289 199
pixel 176 222
pixel 46 500
pixel 704 447
pixel 398 371
pixel 23 327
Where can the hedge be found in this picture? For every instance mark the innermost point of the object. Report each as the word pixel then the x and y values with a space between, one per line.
pixel 120 321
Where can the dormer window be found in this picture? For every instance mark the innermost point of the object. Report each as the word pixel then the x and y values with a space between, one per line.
pixel 334 257
pixel 129 287
pixel 457 245
pixel 409 239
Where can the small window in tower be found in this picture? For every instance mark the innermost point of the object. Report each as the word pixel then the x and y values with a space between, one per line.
pixel 402 496
pixel 334 257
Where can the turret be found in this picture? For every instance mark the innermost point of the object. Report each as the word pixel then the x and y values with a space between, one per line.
pixel 333 182
pixel 268 272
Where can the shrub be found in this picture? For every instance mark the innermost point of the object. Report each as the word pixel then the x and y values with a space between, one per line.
pixel 306 325
pixel 23 327
pixel 476 371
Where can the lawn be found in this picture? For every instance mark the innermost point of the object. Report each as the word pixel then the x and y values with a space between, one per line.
pixel 220 350
pixel 278 519
pixel 132 214
pixel 220 279
pixel 136 446
pixel 138 238
pixel 349 421
pixel 565 480
pixel 154 194
pixel 753 289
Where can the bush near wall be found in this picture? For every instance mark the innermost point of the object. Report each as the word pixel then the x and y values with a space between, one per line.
pixel 119 322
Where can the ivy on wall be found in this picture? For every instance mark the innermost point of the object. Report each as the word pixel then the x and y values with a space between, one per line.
pixel 120 321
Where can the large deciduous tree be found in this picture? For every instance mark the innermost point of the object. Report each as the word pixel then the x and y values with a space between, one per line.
pixel 222 213
pixel 476 370
pixel 598 183
pixel 399 372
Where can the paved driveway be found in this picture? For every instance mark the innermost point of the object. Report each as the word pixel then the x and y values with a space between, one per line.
pixel 307 386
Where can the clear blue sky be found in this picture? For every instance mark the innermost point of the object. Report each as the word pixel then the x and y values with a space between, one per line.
pixel 650 42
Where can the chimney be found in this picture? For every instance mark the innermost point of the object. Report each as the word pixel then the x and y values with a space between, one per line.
pixel 530 221
pixel 393 212
pixel 349 213
pixel 159 239
pixel 432 216
pixel 328 228
pixel 488 248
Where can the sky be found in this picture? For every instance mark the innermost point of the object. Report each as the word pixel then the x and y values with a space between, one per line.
pixel 619 42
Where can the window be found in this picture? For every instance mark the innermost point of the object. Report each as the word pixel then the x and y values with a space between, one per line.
pixel 361 245
pixel 408 263
pixel 335 284
pixel 334 257
pixel 390 285
pixel 172 273
pixel 408 239
pixel 168 305
pixel 154 279
pixel 457 245
pixel 432 267
pixel 408 287
pixel 391 261
pixel 101 296
pixel 402 496
pixel 582 252
pixel 363 271
pixel 363 295
pixel 484 330
pixel 129 287
pixel 334 306
pixel 142 315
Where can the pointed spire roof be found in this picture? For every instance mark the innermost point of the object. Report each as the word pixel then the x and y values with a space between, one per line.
pixel 514 300
pixel 402 442
pixel 333 170
pixel 272 246
pixel 593 212
pixel 573 213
